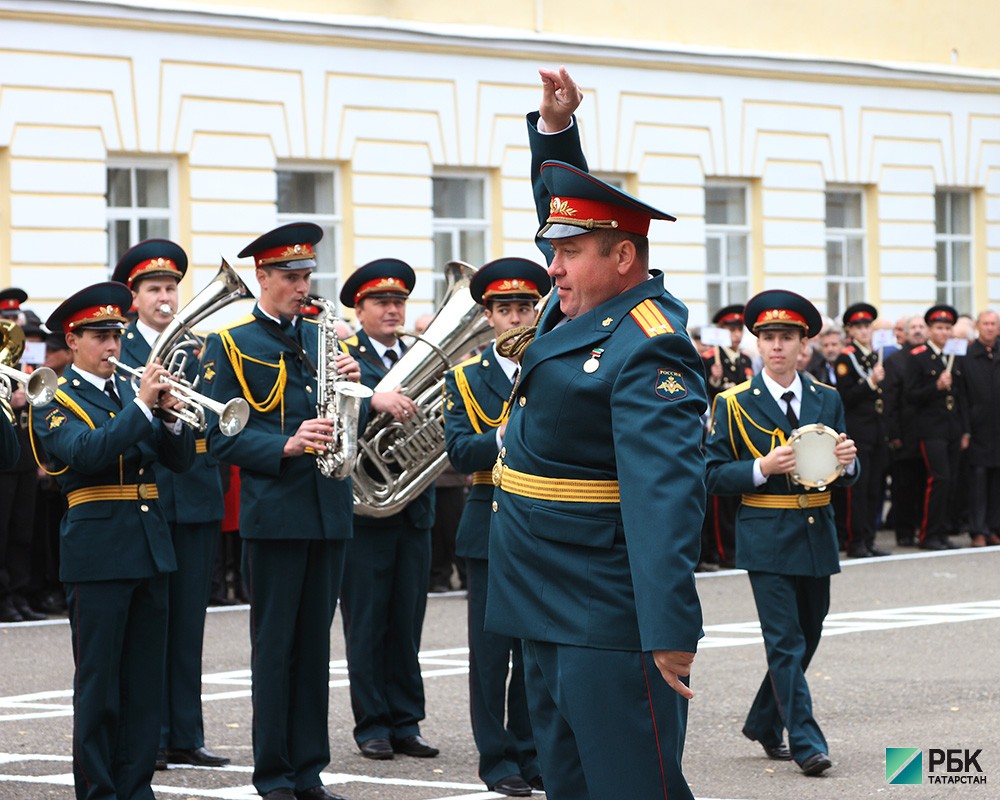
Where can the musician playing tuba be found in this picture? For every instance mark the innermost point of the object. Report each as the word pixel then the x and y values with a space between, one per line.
pixel 191 501
pixel 384 591
pixel 294 521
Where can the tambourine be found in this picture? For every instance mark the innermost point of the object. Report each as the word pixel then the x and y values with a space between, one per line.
pixel 816 467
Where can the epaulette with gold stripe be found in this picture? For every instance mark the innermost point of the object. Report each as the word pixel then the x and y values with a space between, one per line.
pixel 351 341
pixel 469 361
pixel 737 389
pixel 237 323
pixel 650 319
pixel 818 382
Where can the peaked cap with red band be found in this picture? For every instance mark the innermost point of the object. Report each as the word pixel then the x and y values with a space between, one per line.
pixel 10 301
pixel 775 309
pixel 942 312
pixel 152 258
pixel 859 313
pixel 581 203
pixel 98 307
pixel 509 279
pixel 290 246
pixel 384 277
pixel 730 315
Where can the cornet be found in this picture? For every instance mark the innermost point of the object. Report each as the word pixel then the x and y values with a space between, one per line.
pixel 232 416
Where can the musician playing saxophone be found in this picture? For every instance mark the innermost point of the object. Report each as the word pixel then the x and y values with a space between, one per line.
pixel 384 594
pixel 101 440
pixel 294 522
pixel 191 501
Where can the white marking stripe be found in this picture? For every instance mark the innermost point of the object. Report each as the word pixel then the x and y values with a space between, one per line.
pixel 744 633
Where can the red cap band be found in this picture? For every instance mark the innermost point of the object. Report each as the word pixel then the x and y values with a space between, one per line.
pixel 592 214
pixel 780 316
pixel 942 316
pixel 92 314
pixel 384 285
pixel 285 252
pixel 153 265
pixel 859 316
pixel 731 319
pixel 511 286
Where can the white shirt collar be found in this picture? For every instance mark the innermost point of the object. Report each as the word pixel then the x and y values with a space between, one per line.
pixel 94 380
pixel 509 367
pixel 148 333
pixel 776 389
pixel 381 349
pixel 272 317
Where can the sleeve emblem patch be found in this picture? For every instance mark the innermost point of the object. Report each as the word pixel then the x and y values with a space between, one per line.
pixel 208 371
pixel 55 418
pixel 842 370
pixel 670 385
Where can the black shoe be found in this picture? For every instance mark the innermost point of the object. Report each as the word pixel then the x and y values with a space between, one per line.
pixel 932 543
pixel 197 756
pixel 859 552
pixel 949 544
pixel 415 746
pixel 776 752
pixel 51 603
pixel 284 793
pixel 161 760
pixel 906 541
pixel 537 783
pixel 875 552
pixel 512 786
pixel 28 614
pixel 377 749
pixel 8 613
pixel 816 764
pixel 318 793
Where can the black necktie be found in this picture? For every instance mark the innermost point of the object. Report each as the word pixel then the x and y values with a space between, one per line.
pixel 513 378
pixel 789 411
pixel 109 390
pixel 392 356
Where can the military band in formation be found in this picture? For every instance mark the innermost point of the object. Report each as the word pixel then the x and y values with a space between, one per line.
pixel 580 546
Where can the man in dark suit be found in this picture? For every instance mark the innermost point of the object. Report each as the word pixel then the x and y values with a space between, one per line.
pixel 822 365
pixel 982 388
pixel 294 522
pixel 101 439
pixel 477 394
pixel 785 537
pixel 595 529
pixel 860 376
pixel 192 502
pixel 933 385
pixel 384 595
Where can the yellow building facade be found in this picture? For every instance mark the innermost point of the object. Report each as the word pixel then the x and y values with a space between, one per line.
pixel 848 152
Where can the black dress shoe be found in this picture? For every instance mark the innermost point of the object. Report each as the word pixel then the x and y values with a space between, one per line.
pixel 284 793
pixel 906 541
pixel 415 746
pixel 878 553
pixel 8 613
pixel 318 793
pixel 51 603
pixel 378 749
pixel 859 552
pixel 512 786
pixel 932 543
pixel 161 760
pixel 816 764
pixel 776 752
pixel 537 783
pixel 197 756
pixel 28 614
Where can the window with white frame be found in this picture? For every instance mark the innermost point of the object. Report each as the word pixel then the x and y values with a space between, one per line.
pixel 310 195
pixel 845 249
pixel 140 204
pixel 953 237
pixel 727 244
pixel 461 226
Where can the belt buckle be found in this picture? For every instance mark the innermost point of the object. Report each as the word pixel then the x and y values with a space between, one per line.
pixel 143 491
pixel 497 471
pixel 949 403
pixel 803 501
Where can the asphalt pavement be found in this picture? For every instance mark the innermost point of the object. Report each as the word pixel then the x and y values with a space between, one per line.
pixel 908 660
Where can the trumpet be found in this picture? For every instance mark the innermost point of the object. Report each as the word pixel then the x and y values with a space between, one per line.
pixel 232 416
pixel 39 386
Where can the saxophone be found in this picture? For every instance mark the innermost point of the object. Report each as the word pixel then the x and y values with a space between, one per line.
pixel 337 398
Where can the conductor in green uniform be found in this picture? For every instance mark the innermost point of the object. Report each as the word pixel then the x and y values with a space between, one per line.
pixel 102 439
pixel 191 501
pixel 785 534
pixel 294 521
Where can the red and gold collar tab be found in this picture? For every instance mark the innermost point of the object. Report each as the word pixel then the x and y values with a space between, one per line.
pixel 592 214
pixel 283 253
pixel 93 314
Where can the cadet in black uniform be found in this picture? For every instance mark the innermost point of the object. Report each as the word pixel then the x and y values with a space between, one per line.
pixel 859 381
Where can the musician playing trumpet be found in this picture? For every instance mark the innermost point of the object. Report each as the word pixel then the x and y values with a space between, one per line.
pixel 101 439
pixel 191 501
pixel 294 522
pixel 785 537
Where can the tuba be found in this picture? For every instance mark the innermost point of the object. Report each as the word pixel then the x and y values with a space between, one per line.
pixel 39 386
pixel 337 398
pixel 175 345
pixel 398 460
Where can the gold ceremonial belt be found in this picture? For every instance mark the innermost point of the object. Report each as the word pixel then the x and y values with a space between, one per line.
pixel 131 491
pixel 200 446
pixel 566 490
pixel 482 477
pixel 787 500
